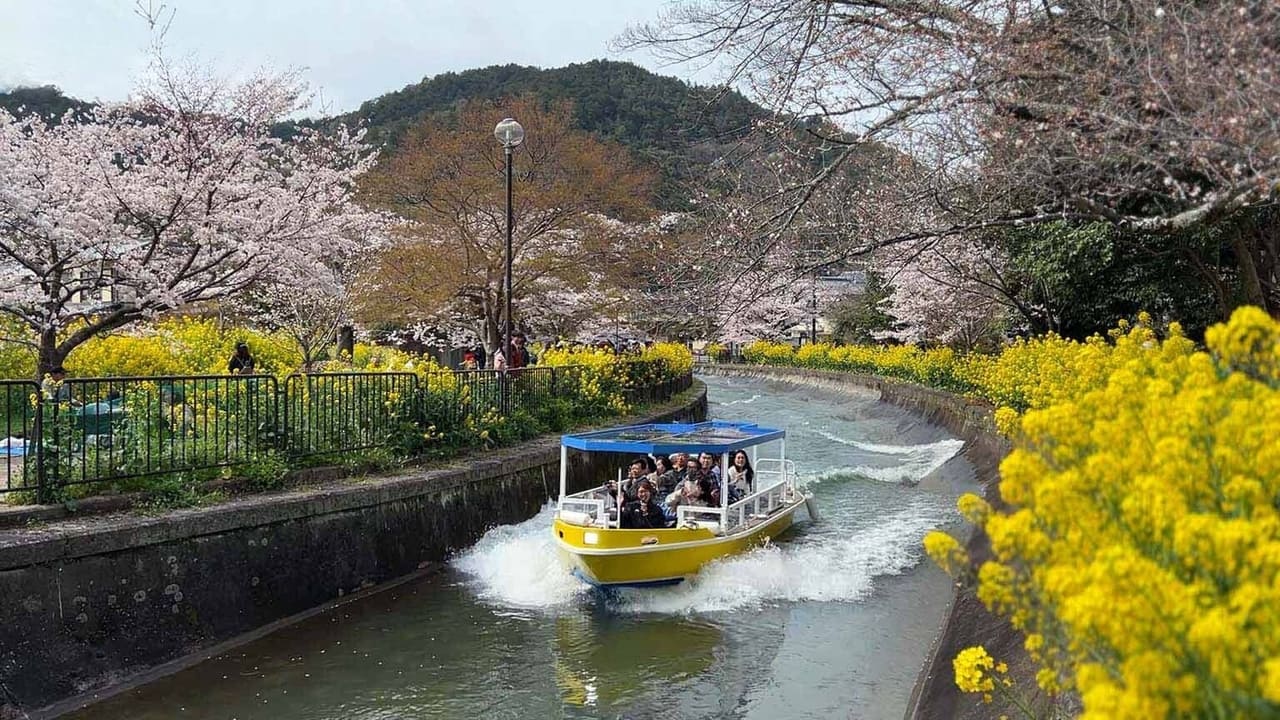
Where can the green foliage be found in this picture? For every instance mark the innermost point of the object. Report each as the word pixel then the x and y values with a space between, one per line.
pixel 857 318
pixel 177 490
pixel 266 471
pixel 1080 280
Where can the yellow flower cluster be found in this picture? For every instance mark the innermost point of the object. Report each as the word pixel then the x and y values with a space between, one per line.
pixel 973 668
pixel 600 377
pixel 938 367
pixel 1142 553
pixel 183 346
pixel 677 357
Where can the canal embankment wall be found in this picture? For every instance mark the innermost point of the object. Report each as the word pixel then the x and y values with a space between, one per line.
pixel 91 606
pixel 967 621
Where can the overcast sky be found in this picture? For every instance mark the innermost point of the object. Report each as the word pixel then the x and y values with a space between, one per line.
pixel 352 50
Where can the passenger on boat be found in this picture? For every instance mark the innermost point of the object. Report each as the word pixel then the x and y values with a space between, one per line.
pixel 677 463
pixel 710 465
pixel 636 472
pixel 741 477
pixel 695 490
pixel 667 478
pixel 643 512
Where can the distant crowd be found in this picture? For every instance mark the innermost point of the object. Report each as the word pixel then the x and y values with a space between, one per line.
pixel 474 358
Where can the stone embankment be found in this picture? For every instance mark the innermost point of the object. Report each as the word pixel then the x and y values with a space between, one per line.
pixel 91 606
pixel 967 623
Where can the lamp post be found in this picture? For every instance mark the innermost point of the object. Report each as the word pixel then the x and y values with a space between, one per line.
pixel 510 134
pixel 813 335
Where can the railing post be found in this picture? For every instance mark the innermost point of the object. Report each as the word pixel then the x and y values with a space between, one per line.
pixel 37 429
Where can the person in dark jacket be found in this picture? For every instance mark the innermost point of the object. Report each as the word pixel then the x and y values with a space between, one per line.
pixel 644 512
pixel 241 362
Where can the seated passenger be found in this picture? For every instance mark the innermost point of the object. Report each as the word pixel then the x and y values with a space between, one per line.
pixel 677 463
pixel 710 465
pixel 693 491
pixel 709 491
pixel 644 512
pixel 742 479
pixel 667 478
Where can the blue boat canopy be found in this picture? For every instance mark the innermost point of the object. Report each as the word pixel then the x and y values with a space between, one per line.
pixel 713 436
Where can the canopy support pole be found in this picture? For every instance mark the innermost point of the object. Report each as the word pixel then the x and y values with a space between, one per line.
pixel 564 471
pixel 724 492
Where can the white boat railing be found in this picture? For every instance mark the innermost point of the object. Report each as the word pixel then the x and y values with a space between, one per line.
pixel 774 478
pixel 699 516
pixel 584 508
pixel 772 470
pixel 758 505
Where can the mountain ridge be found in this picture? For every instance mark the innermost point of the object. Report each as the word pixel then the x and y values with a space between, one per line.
pixel 678 127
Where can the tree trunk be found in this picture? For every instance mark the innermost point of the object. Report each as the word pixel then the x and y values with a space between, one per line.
pixel 347 340
pixel 1250 281
pixel 49 355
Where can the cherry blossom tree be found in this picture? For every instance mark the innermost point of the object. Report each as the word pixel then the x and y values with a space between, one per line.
pixel 774 308
pixel 178 196
pixel 945 291
pixel 1156 117
pixel 309 305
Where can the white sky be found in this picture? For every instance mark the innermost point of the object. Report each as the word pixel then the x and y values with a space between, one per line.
pixel 351 50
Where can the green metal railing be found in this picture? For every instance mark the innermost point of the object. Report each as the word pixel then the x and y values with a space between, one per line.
pixel 109 429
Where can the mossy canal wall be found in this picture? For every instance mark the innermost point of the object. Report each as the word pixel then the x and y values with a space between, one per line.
pixel 91 606
pixel 967 621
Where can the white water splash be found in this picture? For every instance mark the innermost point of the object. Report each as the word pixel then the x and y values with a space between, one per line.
pixel 905 463
pixel 834 568
pixel 520 565
pixel 747 401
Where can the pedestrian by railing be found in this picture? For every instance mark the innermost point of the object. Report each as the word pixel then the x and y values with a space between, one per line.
pixel 122 430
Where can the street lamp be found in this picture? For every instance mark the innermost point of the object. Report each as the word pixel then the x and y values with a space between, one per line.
pixel 510 134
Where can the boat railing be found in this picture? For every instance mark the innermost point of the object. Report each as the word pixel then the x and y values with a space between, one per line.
pixel 699 516
pixel 583 509
pixel 773 470
pixel 758 505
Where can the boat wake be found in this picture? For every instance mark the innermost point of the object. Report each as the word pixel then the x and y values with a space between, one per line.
pixel 519 566
pixel 891 463
pixel 833 567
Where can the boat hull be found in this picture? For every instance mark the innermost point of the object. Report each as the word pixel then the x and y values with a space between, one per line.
pixel 648 558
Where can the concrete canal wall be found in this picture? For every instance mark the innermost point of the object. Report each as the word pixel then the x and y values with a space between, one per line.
pixel 94 605
pixel 967 622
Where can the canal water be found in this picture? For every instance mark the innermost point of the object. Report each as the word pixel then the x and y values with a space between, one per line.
pixel 833 620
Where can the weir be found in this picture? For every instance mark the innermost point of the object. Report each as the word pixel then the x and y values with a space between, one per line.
pixel 833 619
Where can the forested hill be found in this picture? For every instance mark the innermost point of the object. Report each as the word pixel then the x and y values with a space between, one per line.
pixel 46 101
pixel 677 126
pixel 616 100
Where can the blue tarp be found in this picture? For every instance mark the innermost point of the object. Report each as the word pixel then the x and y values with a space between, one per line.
pixel 713 436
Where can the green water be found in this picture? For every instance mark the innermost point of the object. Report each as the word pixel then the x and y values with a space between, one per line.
pixel 832 621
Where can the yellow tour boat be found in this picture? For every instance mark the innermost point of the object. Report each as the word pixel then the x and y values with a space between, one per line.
pixel 586 525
